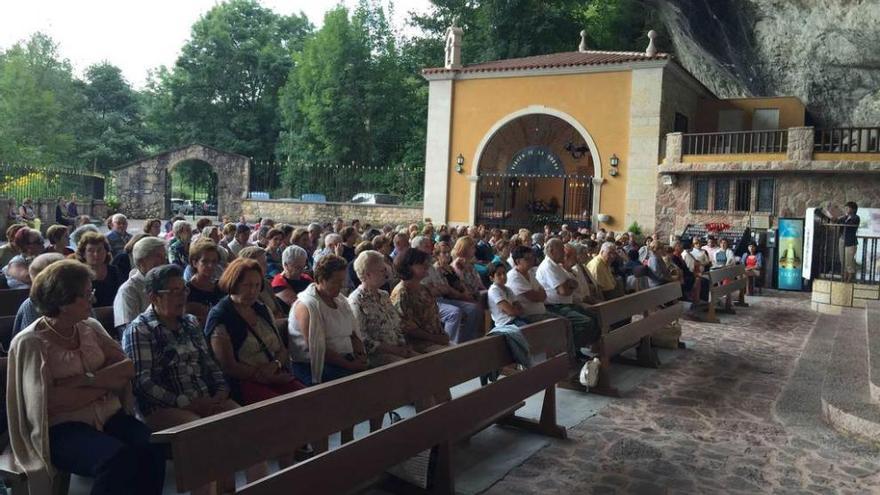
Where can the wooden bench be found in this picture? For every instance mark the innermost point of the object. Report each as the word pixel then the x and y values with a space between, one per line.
pixel 723 283
pixel 11 299
pixel 210 448
pixel 657 308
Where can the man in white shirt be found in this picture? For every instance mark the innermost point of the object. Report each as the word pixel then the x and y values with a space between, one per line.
pixel 240 241
pixel 332 245
pixel 132 299
pixel 560 285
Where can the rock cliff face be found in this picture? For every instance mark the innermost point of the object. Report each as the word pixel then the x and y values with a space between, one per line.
pixel 827 52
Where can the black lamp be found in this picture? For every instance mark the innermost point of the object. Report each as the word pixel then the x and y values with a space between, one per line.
pixel 459 163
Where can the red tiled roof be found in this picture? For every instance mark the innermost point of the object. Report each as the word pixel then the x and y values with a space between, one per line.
pixel 552 61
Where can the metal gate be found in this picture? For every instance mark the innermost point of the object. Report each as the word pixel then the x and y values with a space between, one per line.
pixel 512 201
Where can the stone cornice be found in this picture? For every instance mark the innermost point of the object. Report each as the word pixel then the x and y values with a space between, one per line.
pixel 782 166
pixel 549 71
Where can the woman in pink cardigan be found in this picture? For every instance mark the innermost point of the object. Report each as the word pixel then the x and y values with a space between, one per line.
pixel 69 395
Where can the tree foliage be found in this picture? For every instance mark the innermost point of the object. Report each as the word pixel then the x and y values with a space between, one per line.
pixel 39 101
pixel 266 85
pixel 223 89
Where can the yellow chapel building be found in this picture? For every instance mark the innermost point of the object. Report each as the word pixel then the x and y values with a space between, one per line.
pixel 579 137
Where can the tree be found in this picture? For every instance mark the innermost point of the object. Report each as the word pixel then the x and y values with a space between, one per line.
pixel 223 89
pixel 112 131
pixel 498 29
pixel 39 104
pixel 324 104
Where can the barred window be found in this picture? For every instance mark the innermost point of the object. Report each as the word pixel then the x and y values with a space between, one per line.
pixel 701 194
pixel 743 195
pixel 766 190
pixel 722 195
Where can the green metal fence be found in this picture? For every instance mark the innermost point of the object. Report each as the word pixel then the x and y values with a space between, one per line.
pixel 24 181
pixel 337 182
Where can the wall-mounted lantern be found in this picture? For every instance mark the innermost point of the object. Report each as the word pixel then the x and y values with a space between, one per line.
pixel 614 162
pixel 459 163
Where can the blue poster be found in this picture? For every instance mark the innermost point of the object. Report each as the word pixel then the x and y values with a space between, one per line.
pixel 790 249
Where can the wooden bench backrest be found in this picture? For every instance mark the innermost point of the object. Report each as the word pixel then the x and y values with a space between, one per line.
pixel 6 330
pixel 11 299
pixel 104 315
pixel 640 303
pixel 205 450
pixel 621 308
pixel 362 460
pixel 727 273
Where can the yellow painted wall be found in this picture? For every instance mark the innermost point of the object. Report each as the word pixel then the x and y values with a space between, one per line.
pixel 856 157
pixel 792 111
pixel 738 157
pixel 599 101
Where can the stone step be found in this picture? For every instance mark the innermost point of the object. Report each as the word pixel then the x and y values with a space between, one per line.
pixel 872 322
pixel 800 403
pixel 846 389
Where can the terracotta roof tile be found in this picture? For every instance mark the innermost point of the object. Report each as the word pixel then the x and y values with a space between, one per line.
pixel 552 61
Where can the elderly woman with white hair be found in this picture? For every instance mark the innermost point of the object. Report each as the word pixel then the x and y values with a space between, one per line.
pixel 378 319
pixel 178 249
pixel 292 280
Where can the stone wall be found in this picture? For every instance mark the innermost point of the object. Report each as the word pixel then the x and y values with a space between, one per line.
pixel 45 209
pixel 301 213
pixel 831 297
pixel 795 192
pixel 144 190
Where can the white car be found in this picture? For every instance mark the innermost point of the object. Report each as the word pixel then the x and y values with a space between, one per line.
pixel 376 199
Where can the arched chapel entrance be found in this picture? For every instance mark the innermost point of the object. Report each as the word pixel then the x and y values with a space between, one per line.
pixel 535 169
pixel 144 186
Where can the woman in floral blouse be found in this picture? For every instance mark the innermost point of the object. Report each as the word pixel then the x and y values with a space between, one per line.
pixel 378 319
pixel 420 316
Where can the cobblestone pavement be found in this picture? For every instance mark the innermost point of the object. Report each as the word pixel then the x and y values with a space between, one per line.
pixel 704 423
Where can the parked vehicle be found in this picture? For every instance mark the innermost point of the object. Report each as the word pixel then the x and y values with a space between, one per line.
pixel 176 204
pixel 313 198
pixel 376 199
pixel 206 209
pixel 258 195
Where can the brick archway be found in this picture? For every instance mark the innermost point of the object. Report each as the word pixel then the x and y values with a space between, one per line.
pixel 142 186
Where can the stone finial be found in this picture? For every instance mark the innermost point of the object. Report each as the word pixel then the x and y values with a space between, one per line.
pixel 583 46
pixel 652 48
pixel 453 45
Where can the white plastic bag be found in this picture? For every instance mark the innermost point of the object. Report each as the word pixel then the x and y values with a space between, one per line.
pixel 589 376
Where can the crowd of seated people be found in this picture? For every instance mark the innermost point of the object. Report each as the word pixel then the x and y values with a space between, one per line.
pixel 207 318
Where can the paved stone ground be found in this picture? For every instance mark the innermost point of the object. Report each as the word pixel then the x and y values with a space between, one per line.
pixel 705 423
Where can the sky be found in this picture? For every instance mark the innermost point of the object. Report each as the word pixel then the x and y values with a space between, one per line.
pixel 137 35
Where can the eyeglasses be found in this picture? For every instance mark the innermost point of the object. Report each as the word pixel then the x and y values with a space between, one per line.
pixel 175 292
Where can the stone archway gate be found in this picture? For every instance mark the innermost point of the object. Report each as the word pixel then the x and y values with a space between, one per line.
pixel 144 187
